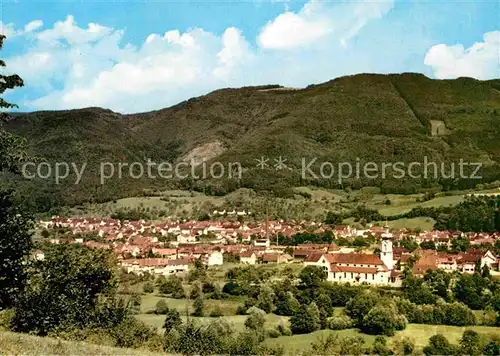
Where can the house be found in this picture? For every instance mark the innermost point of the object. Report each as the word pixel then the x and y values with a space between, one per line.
pixel 362 267
pixel 262 243
pixel 158 266
pixel 275 258
pixel 319 259
pixel 215 258
pixel 358 267
pixel 248 257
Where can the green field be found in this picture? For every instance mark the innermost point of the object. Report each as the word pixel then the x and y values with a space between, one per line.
pixel 24 344
pixel 420 335
pixel 238 321
pixel 192 204
pixel 228 307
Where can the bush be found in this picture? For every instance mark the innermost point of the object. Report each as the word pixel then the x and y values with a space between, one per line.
pixel 340 322
pixel 383 320
pixel 148 288
pixel 284 330
pixel 256 319
pixel 273 333
pixel 361 304
pixel 161 307
pixel 439 345
pixel 216 312
pixel 6 317
pixel 241 310
pixel 306 320
pixel 199 306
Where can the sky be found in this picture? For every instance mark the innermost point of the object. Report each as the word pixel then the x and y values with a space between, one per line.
pixel 136 56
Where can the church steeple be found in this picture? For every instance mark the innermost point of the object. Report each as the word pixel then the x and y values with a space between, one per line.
pixel 386 254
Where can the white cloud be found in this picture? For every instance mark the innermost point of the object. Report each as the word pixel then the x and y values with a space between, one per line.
pixel 321 20
pixel 74 66
pixel 80 66
pixel 7 29
pixel 33 25
pixel 481 60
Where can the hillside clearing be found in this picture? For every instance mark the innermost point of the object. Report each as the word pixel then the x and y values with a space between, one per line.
pixel 23 344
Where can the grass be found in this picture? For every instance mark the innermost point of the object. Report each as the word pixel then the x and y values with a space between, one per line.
pixel 419 333
pixel 238 321
pixel 23 344
pixel 422 223
pixel 228 306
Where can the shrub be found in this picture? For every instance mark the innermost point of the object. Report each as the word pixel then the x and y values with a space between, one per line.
pixel 383 320
pixel 439 345
pixel 216 312
pixel 161 307
pixel 148 288
pixel 273 333
pixel 306 320
pixel 241 310
pixel 255 320
pixel 340 322
pixel 199 306
pixel 361 304
pixel 172 320
pixel 284 330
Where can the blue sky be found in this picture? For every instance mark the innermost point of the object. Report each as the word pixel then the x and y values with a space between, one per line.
pixel 139 56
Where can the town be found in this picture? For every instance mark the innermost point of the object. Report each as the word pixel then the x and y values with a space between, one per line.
pixel 171 247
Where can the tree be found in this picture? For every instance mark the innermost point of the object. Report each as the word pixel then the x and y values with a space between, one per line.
pixel 404 346
pixel 468 291
pixel 65 288
pixel 380 346
pixel 172 285
pixel 148 288
pixel 460 244
pixel 161 307
pixel 486 272
pixel 471 343
pixel 195 291
pixel 492 348
pixel 265 299
pixel 439 345
pixel 199 306
pixel 361 304
pixel 428 245
pixel 439 282
pixel 312 276
pixel 15 238
pixel 287 304
pixel 172 320
pixel 417 291
pixel 256 319
pixel 306 320
pixel 383 320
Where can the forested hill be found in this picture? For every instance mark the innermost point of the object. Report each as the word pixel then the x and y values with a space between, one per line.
pixel 366 117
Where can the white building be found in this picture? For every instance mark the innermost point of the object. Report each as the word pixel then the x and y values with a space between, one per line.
pixel 262 242
pixel 215 258
pixel 248 257
pixel 359 267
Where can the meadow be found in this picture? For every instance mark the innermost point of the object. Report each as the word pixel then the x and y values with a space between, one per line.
pixel 295 344
pixel 308 203
pixel 420 334
pixel 24 344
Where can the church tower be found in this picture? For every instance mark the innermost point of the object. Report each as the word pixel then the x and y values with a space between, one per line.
pixel 386 249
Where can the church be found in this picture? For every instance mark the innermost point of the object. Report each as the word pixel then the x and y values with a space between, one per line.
pixel 357 268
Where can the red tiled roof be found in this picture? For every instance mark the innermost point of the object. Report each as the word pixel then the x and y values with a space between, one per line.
pixel 313 257
pixel 247 254
pixel 357 258
pixel 349 269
